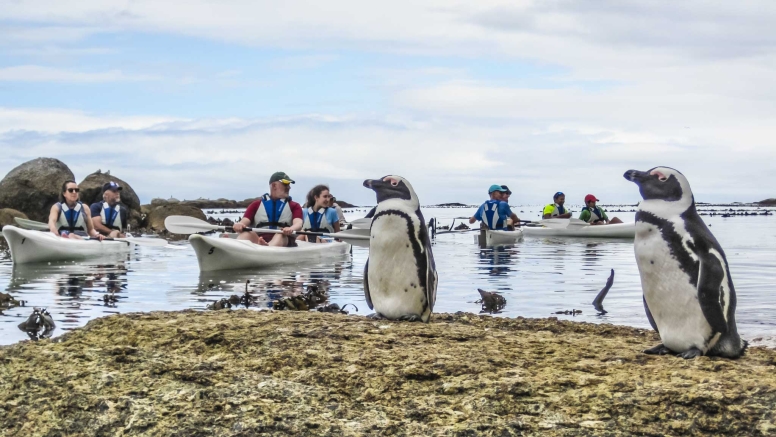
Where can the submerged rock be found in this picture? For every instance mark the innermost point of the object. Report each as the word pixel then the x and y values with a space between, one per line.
pixel 308 373
pixel 34 186
pixel 7 216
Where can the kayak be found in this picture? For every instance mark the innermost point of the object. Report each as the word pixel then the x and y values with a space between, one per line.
pixel 500 238
pixel 229 253
pixel 35 246
pixel 620 230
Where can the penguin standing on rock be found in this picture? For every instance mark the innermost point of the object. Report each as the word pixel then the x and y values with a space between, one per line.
pixel 688 292
pixel 400 277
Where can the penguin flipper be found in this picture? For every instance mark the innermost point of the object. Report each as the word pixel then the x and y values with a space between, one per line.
pixel 431 273
pixel 711 277
pixel 649 315
pixel 366 285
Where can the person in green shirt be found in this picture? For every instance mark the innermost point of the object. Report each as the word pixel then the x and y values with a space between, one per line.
pixel 595 215
pixel 556 209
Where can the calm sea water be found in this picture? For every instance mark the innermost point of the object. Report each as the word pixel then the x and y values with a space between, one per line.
pixel 537 276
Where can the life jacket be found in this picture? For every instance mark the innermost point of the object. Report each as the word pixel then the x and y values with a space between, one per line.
pixel 556 209
pixel 111 217
pixel 70 219
pixel 273 214
pixel 492 219
pixel 317 221
pixel 596 214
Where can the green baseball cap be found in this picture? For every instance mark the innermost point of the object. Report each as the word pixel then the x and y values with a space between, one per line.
pixel 282 177
pixel 496 188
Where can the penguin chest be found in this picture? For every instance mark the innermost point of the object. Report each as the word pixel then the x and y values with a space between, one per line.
pixel 671 297
pixel 394 284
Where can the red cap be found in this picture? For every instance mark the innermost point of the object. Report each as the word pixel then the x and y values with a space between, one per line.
pixel 590 197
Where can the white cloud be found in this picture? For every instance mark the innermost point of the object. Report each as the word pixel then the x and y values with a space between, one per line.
pixel 36 73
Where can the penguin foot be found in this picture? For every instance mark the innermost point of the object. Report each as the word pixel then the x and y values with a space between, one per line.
pixel 411 318
pixel 375 316
pixel 692 353
pixel 658 350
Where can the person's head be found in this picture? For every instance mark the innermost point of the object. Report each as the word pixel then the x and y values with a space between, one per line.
pixel 279 185
pixel 111 193
pixel 496 192
pixel 507 193
pixel 319 197
pixel 590 201
pixel 559 198
pixel 69 192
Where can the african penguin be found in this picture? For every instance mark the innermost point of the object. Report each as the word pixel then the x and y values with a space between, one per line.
pixel 400 278
pixel 688 292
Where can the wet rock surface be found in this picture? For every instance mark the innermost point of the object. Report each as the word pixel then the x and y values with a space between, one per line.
pixel 34 186
pixel 307 373
pixel 157 214
pixel 7 216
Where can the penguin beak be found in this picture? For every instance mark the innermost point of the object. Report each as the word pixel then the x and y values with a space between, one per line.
pixel 636 176
pixel 372 183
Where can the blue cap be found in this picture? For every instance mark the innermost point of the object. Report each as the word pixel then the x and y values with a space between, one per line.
pixel 496 188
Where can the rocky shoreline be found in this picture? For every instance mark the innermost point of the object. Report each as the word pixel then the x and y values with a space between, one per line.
pixel 303 373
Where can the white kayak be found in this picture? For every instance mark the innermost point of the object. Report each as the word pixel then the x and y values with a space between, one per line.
pixel 620 230
pixel 500 238
pixel 227 253
pixel 35 246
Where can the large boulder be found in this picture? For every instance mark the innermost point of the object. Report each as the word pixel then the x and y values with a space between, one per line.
pixel 155 219
pixel 91 190
pixel 34 186
pixel 7 216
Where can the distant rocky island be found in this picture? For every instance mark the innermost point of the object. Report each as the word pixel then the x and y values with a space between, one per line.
pixel 767 202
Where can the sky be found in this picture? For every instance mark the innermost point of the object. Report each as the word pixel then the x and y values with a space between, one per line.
pixel 209 98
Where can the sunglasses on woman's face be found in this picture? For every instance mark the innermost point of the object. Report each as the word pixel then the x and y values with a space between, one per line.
pixel 73 190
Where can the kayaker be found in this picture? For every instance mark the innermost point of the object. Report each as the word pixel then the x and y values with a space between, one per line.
pixel 69 218
pixel 319 216
pixel 108 217
pixel 505 198
pixel 340 214
pixel 595 215
pixel 274 210
pixel 556 209
pixel 494 213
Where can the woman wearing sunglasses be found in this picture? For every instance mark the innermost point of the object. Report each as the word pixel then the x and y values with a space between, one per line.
pixel 69 218
pixel 319 216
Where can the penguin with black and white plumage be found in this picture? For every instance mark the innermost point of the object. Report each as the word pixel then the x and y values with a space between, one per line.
pixel 400 278
pixel 688 292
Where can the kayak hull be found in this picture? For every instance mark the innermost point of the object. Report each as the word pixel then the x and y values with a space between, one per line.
pixel 500 238
pixel 229 254
pixel 29 246
pixel 620 230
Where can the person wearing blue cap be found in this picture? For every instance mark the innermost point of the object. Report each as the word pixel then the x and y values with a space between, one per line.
pixel 495 213
pixel 109 217
pixel 556 209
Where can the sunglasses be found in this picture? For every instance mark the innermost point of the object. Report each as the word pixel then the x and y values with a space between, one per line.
pixel 73 190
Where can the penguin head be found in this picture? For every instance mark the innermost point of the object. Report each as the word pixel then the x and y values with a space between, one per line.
pixel 393 187
pixel 662 183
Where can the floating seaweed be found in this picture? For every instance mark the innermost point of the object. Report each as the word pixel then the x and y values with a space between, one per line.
pixel 8 301
pixel 316 295
pixel 334 308
pixel 220 304
pixel 569 312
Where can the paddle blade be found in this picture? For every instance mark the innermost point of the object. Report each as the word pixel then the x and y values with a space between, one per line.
pixel 362 223
pixel 355 237
pixel 180 224
pixel 31 224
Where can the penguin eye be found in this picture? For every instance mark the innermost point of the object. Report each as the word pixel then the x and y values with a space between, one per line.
pixel 393 181
pixel 661 177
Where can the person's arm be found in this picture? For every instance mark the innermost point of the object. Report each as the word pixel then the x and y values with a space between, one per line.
pixel 477 216
pixel 52 221
pixel 547 212
pixel 605 217
pixel 334 220
pixel 585 216
pixel 247 218
pixel 297 223
pixel 242 224
pixel 97 220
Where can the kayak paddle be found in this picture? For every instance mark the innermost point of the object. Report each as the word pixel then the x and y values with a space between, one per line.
pixel 31 224
pixel 178 224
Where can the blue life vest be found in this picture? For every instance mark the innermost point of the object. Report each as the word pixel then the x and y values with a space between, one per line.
pixel 70 219
pixel 273 213
pixel 492 219
pixel 110 215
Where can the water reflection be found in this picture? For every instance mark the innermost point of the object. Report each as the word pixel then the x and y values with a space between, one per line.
pixel 498 261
